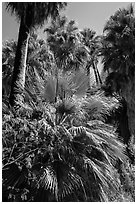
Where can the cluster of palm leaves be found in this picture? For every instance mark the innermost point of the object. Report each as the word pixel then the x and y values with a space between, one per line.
pixel 118 47
pixel 61 150
pixel 39 58
pixel 64 40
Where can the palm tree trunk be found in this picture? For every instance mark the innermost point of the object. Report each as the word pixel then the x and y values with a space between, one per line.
pixel 18 79
pixel 99 78
pixel 95 72
pixel 56 76
pixel 88 73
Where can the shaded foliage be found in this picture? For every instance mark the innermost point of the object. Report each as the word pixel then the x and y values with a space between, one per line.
pixel 92 42
pixel 29 11
pixel 64 40
pixel 118 52
pixel 118 46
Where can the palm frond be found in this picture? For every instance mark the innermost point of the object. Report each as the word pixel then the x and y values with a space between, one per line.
pixel 99 106
pixel 46 89
pixel 14 177
pixel 76 131
pixel 60 179
pixel 29 11
pixel 106 138
pixel 48 180
pixel 68 179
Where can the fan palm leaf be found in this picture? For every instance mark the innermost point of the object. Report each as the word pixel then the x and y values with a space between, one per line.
pixel 68 85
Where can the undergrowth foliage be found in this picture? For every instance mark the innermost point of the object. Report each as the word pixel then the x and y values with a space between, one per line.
pixel 60 151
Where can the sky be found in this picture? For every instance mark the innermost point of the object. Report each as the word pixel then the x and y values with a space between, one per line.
pixel 92 15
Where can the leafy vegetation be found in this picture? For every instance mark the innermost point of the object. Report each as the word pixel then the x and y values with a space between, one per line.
pixel 66 142
pixel 118 52
pixel 60 149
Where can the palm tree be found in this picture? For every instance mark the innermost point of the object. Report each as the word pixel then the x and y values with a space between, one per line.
pixel 63 38
pixel 118 52
pixel 92 43
pixel 119 42
pixel 39 55
pixel 30 16
pixel 39 58
pixel 64 152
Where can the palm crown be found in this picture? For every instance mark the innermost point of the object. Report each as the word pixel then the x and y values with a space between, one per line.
pixel 64 40
pixel 118 42
pixel 35 13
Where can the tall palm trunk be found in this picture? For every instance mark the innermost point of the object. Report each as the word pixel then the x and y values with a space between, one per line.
pixel 18 79
pixel 99 78
pixel 95 72
pixel 128 92
pixel 88 73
